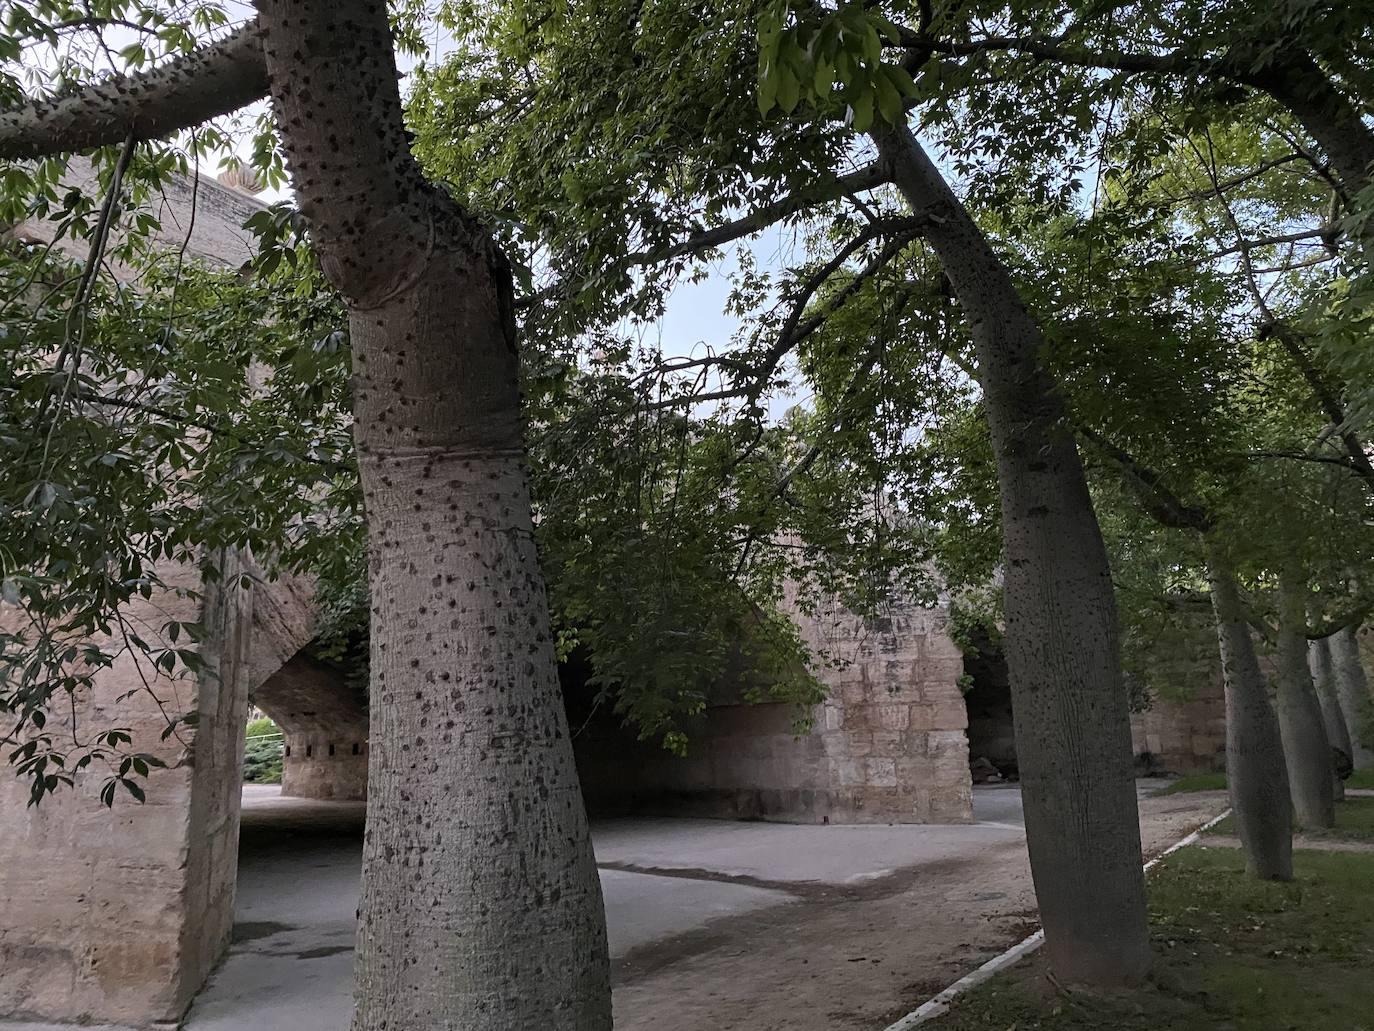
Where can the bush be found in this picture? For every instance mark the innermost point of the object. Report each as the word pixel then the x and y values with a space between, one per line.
pixel 262 752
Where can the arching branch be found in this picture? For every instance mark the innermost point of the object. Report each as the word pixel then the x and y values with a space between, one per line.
pixel 1160 503
pixel 186 91
pixel 861 180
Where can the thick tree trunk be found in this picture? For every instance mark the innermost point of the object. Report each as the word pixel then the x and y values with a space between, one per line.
pixel 1352 689
pixel 1305 744
pixel 481 906
pixel 1324 680
pixel 1072 721
pixel 1255 771
pixel 1294 79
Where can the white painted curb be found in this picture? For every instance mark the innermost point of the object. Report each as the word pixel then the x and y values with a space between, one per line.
pixel 939 1005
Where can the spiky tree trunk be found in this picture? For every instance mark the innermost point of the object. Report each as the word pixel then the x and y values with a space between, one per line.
pixel 1305 744
pixel 1255 771
pixel 1324 680
pixel 481 906
pixel 1352 689
pixel 1072 721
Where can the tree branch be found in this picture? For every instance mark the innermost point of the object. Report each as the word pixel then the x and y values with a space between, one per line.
pixel 182 93
pixel 1325 235
pixel 795 329
pixel 1164 506
pixel 868 177
pixel 1326 397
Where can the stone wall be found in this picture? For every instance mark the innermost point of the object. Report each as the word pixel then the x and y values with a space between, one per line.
pixel 886 746
pixel 1183 729
pixel 118 914
pixel 1182 736
pixel 324 726
pixel 215 236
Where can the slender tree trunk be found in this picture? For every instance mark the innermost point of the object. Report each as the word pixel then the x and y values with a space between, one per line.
pixel 1294 79
pixel 1072 720
pixel 1255 771
pixel 1305 744
pixel 481 906
pixel 1352 689
pixel 1324 679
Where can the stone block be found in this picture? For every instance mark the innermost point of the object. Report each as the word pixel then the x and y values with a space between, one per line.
pixel 941 669
pixel 893 717
pixel 881 773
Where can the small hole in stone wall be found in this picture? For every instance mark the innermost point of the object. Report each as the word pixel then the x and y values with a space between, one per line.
pixel 356 749
pixel 288 751
pixel 309 750
pixel 331 749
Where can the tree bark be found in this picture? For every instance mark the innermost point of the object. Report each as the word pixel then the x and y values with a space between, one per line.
pixel 1324 680
pixel 481 905
pixel 1072 720
pixel 1306 747
pixel 1352 689
pixel 186 91
pixel 1255 771
pixel 1294 79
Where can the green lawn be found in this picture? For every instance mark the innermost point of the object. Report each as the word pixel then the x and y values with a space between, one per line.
pixel 1217 782
pixel 1354 822
pixel 1197 782
pixel 1233 955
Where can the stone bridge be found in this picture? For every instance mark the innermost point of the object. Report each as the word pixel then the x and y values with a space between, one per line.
pixel 115 916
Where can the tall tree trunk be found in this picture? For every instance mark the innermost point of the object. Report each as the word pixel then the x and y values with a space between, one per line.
pixel 1293 78
pixel 481 906
pixel 1255 771
pixel 1305 744
pixel 1324 680
pixel 1352 688
pixel 1072 720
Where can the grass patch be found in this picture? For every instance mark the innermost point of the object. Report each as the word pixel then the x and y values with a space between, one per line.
pixel 1354 822
pixel 1197 782
pixel 1217 782
pixel 1232 953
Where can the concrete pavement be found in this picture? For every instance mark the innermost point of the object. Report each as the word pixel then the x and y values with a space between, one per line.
pixel 674 889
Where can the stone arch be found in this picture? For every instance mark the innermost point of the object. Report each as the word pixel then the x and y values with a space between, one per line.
pixel 323 718
pixel 991 722
pixel 117 916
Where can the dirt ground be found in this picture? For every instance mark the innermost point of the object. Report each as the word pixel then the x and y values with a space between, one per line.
pixel 854 956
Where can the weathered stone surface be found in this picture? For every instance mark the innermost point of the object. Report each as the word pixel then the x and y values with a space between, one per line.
pixel 214 236
pixel 116 916
pixel 887 746
pixel 119 914
pixel 1184 735
pixel 324 723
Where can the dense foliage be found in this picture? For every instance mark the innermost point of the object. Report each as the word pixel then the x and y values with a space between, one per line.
pixel 1199 265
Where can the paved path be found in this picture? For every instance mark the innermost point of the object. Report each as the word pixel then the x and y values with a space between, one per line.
pixel 714 925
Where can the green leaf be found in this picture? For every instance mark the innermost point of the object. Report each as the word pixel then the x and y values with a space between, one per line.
pixel 901 79
pixel 861 111
pixel 824 77
pixel 768 88
pixel 889 101
pixel 789 91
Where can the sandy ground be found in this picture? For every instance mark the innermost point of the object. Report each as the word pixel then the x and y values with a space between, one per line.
pixel 713 924
pixel 857 958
